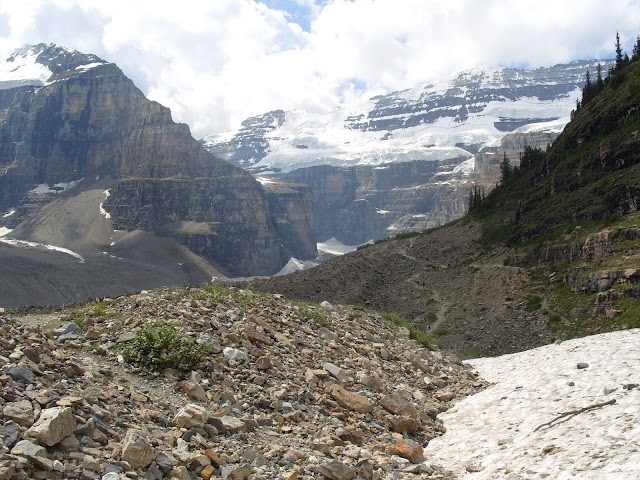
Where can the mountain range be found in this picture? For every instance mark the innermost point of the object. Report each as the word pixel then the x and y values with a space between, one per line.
pixel 98 181
pixel 452 119
pixel 406 161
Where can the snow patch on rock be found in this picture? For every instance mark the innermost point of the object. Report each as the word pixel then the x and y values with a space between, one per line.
pixel 24 243
pixel 102 210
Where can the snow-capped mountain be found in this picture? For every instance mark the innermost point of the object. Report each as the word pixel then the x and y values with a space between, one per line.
pixel 36 65
pixel 452 119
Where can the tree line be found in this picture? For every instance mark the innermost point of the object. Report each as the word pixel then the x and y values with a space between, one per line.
pixel 530 157
pixel 535 156
pixel 614 77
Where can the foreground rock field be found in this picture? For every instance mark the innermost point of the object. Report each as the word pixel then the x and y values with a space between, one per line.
pixel 285 391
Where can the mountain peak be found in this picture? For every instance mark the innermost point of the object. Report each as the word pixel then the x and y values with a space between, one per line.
pixel 34 65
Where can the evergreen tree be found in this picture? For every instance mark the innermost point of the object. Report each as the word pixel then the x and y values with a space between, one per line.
pixel 587 91
pixel 575 112
pixel 636 51
pixel 505 169
pixel 531 156
pixel 599 79
pixel 476 196
pixel 619 58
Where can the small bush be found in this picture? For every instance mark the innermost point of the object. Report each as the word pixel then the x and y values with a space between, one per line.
pixel 441 330
pixel 97 309
pixel 316 317
pixel 415 333
pixel 555 322
pixel 158 346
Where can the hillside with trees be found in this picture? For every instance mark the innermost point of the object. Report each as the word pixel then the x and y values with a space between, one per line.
pixel 553 252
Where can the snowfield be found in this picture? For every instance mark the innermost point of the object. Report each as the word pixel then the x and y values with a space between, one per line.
pixel 334 246
pixel 515 429
pixel 24 243
pixel 22 70
pixel 452 119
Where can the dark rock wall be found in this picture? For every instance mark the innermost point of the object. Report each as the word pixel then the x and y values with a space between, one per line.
pixel 96 124
pixel 292 206
pixel 361 203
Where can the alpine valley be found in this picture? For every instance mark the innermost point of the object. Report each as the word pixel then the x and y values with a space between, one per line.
pixel 101 193
pixel 301 377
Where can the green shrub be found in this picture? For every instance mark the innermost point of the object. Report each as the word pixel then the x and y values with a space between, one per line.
pixel 415 333
pixel 316 317
pixel 158 346
pixel 97 309
pixel 441 330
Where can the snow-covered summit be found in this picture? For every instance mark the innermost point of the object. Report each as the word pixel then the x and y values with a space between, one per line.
pixel 451 119
pixel 35 65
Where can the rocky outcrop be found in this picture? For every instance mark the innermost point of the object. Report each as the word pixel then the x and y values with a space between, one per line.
pixel 358 204
pixel 220 218
pixel 89 124
pixel 513 144
pixel 592 247
pixel 83 413
pixel 293 208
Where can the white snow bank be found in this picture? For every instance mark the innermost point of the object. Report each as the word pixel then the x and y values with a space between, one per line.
pixel 24 70
pixel 89 66
pixel 265 180
pixel 48 247
pixel 57 188
pixel 9 213
pixel 494 431
pixel 295 265
pixel 4 231
pixel 102 210
pixel 466 168
pixel 555 126
pixel 334 246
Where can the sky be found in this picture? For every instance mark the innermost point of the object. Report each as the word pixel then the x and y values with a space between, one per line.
pixel 216 62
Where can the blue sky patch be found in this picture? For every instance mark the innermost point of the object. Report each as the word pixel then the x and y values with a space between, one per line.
pixel 300 14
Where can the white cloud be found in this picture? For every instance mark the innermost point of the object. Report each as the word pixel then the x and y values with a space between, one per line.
pixel 214 63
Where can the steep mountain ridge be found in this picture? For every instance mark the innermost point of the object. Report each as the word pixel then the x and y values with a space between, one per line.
pixel 86 128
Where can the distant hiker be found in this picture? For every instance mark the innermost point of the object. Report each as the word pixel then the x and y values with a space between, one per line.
pixel 429 328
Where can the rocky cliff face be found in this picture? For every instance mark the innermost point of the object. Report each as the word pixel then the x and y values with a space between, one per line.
pixel 88 123
pixel 358 204
pixel 292 204
pixel 362 203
